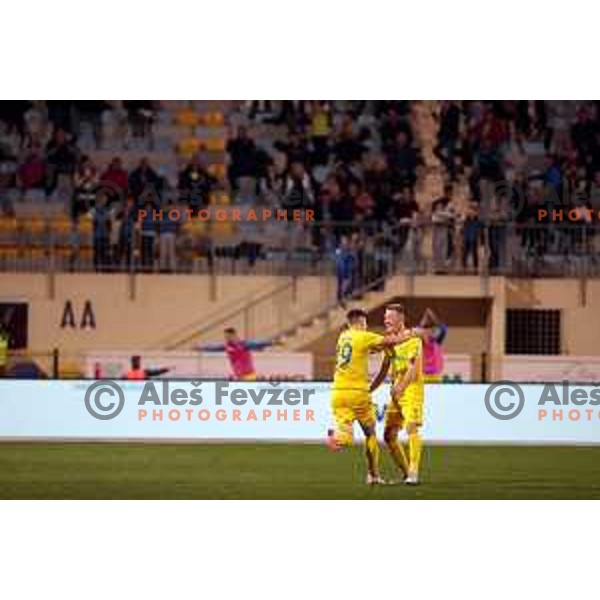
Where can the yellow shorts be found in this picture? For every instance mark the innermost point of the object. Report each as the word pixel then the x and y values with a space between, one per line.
pixel 349 406
pixel 407 409
pixel 249 377
pixel 432 378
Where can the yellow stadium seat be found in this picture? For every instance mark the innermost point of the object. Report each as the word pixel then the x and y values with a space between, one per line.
pixel 220 199
pixel 194 226
pixel 63 252
pixel 217 170
pixel 189 146
pixel 214 119
pixel 86 252
pixel 222 229
pixel 34 226
pixel 198 226
pixel 8 229
pixel 8 252
pixel 187 117
pixel 36 252
pixel 61 224
pixel 85 228
pixel 60 229
pixel 215 144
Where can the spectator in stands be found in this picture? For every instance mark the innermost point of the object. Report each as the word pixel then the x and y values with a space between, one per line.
pixel 448 136
pixel 472 232
pixel 391 125
pixel 102 222
pixel 345 264
pixel 59 113
pixel 294 114
pixel 363 204
pixel 403 160
pixel 12 112
pixel 127 227
pixel 148 235
pixel 294 149
pixel 242 157
pixel 320 130
pixel 196 183
pixel 144 179
pixel 167 238
pixel 32 172
pixel 442 219
pixel 379 184
pixel 348 149
pixel 90 112
pixel 552 176
pixel 514 156
pixel 8 179
pixel 262 109
pixel 141 115
pixel 299 192
pixel 85 183
pixel 62 157
pixel 357 247
pixel 115 181
pixel 336 206
pixel 496 238
pixel 270 187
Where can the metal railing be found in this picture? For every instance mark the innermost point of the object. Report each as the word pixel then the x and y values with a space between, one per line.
pixel 497 248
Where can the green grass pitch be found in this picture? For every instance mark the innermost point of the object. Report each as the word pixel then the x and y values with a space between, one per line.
pixel 285 471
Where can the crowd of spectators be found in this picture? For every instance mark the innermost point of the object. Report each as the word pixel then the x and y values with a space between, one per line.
pixel 518 157
pixel 356 164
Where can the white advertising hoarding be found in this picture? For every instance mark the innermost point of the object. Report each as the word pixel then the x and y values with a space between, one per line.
pixel 279 366
pixel 194 410
pixel 551 368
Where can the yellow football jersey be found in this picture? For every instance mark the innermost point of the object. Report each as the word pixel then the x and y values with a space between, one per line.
pixel 352 359
pixel 405 354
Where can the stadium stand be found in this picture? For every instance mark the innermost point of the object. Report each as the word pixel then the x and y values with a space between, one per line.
pixel 458 181
pixel 395 188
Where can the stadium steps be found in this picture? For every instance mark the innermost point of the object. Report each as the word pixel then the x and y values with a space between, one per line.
pixel 307 331
pixel 262 315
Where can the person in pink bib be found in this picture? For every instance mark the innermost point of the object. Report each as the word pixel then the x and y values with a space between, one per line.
pixel 433 333
pixel 239 353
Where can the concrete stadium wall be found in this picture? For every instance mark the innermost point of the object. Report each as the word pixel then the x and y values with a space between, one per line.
pixel 78 312
pixel 579 301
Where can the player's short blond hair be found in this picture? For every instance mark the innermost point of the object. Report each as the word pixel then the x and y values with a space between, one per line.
pixel 396 307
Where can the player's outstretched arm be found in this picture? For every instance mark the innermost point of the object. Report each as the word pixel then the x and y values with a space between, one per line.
pixel 156 372
pixel 258 344
pixel 383 370
pixel 391 340
pixel 209 347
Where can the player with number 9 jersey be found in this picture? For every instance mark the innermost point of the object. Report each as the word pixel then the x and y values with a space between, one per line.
pixel 350 396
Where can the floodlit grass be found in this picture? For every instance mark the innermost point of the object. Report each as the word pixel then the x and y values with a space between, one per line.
pixel 289 471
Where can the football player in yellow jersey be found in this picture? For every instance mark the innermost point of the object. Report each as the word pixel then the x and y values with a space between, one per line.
pixel 405 410
pixel 351 398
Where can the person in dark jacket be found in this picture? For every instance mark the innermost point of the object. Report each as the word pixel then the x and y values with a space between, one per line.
pixel 148 235
pixel 102 221
pixel 169 225
pixel 472 232
pixel 127 234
